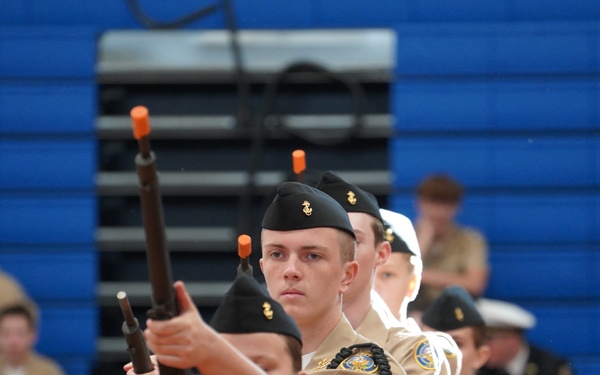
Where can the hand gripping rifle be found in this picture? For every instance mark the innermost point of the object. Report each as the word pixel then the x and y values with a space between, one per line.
pixel 164 303
pixel 136 344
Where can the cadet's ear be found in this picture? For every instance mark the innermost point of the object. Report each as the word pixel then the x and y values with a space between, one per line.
pixel 350 272
pixel 483 354
pixel 260 263
pixel 384 249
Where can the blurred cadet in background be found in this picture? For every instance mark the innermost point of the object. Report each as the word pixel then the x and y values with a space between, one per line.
pixel 454 312
pixel 511 353
pixel 18 336
pixel 452 254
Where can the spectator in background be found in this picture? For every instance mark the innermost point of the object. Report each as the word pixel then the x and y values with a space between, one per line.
pixel 452 254
pixel 511 354
pixel 18 335
pixel 11 291
pixel 454 312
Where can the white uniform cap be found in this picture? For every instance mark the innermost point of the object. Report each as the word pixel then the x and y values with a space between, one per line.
pixel 501 314
pixel 402 226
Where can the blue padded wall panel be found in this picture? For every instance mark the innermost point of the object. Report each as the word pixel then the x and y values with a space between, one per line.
pixel 543 218
pixel 74 365
pixel 504 48
pixel 311 13
pixel 495 105
pixel 48 164
pixel 114 13
pixel 47 52
pixel 51 274
pixel 356 13
pixel 524 218
pixel 274 14
pixel 68 330
pixel 69 219
pixel 566 329
pixel 494 161
pixel 49 108
pixel 520 274
pixel 13 12
pixel 556 9
pixel 585 364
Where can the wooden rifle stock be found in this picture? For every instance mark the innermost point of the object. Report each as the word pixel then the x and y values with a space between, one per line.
pixel 164 303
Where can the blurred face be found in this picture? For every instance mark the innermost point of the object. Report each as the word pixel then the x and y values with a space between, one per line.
pixel 304 272
pixel 368 255
pixel 393 281
pixel 267 350
pixel 16 338
pixel 504 345
pixel 439 214
pixel 472 357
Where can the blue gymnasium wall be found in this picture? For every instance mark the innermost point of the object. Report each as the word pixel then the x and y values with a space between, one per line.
pixel 47 167
pixel 512 115
pixel 512 111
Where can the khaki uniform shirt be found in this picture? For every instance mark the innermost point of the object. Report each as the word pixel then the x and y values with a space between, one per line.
pixel 417 352
pixel 38 365
pixel 464 248
pixel 343 335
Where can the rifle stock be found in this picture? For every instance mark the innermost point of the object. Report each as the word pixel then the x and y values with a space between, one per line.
pixel 164 303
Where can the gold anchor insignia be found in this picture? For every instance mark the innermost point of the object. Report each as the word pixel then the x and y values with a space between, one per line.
pixel 307 210
pixel 351 197
pixel 459 314
pixel 267 310
pixel 389 235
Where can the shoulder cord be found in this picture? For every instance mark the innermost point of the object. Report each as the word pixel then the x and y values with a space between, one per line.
pixel 377 352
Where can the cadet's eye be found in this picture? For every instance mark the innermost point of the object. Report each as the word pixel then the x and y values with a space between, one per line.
pixel 313 256
pixel 387 275
pixel 276 254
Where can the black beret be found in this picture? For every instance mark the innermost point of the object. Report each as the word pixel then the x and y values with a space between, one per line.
pixel 351 197
pixel 397 243
pixel 247 308
pixel 299 206
pixel 453 309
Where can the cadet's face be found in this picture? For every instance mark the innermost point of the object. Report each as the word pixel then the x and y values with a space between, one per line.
pixel 16 337
pixel 366 254
pixel 304 273
pixel 472 357
pixel 504 345
pixel 392 281
pixel 267 350
pixel 439 214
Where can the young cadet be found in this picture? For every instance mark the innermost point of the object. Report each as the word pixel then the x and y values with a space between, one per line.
pixel 454 312
pixel 365 310
pixel 257 326
pixel 398 281
pixel 308 251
